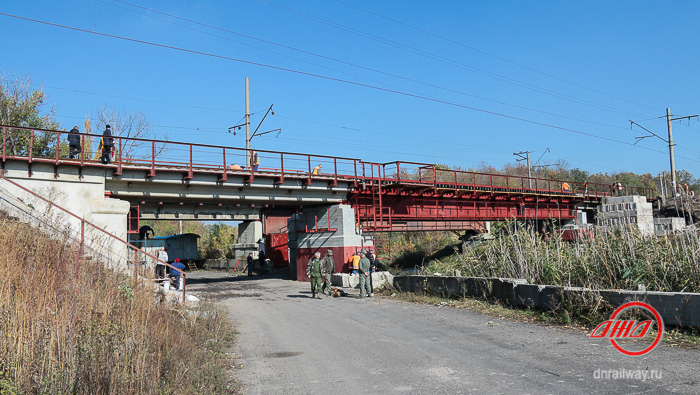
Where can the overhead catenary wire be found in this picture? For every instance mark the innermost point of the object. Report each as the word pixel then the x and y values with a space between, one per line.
pixel 393 75
pixel 299 72
pixel 139 99
pixel 492 55
pixel 241 43
pixel 444 59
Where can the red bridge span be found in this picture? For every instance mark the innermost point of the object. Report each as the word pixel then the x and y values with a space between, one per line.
pixel 393 196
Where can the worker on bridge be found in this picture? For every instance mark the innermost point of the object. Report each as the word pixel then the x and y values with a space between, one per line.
pixel 107 143
pixel 255 160
pixel 74 142
pixel 317 170
pixel 565 187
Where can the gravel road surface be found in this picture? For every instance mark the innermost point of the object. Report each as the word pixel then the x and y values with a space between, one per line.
pixel 290 343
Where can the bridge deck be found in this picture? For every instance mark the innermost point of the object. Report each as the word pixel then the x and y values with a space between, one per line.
pixel 376 186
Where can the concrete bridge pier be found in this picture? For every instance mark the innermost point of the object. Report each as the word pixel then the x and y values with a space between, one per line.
pixel 249 233
pixel 320 229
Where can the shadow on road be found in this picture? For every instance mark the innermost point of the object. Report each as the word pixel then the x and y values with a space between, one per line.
pixel 194 279
pixel 213 280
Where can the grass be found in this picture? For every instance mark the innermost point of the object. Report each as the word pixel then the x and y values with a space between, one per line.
pixel 620 258
pixel 73 326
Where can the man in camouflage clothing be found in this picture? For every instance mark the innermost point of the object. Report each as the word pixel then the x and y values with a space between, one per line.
pixel 329 265
pixel 364 272
pixel 315 270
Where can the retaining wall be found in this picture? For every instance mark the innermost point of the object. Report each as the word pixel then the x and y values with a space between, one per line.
pixel 225 264
pixel 676 309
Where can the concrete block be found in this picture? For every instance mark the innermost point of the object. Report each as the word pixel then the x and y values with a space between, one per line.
pixel 346 280
pixel 676 309
pixel 224 264
pixel 546 297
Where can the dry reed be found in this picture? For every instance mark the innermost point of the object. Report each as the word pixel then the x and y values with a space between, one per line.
pixel 71 325
pixel 619 258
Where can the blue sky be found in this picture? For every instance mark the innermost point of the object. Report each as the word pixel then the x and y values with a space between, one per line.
pixel 559 72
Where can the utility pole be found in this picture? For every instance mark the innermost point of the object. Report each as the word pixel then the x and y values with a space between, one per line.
pixel 248 135
pixel 247 124
pixel 669 141
pixel 670 149
pixel 527 158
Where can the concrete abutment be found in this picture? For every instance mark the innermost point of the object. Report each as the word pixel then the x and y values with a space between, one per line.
pixel 321 229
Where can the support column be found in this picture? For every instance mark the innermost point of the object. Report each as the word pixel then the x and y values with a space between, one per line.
pixel 322 229
pixel 249 232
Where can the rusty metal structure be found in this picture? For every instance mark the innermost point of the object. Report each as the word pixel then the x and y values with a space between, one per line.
pixel 396 196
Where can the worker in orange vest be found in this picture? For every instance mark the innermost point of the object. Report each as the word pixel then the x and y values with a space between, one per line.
pixel 354 262
pixel 254 160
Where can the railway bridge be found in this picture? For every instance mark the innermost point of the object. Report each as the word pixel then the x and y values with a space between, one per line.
pixel 285 198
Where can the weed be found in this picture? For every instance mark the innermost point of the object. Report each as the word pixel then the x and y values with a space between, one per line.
pixel 620 258
pixel 72 325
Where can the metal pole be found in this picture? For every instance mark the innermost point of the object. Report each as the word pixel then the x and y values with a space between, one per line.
pixel 670 150
pixel 247 124
pixel 527 158
pixel 529 173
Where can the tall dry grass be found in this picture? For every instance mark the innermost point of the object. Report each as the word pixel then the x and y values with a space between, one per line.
pixel 72 326
pixel 619 258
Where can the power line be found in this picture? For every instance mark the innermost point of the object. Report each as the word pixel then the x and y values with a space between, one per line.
pixel 373 132
pixel 406 94
pixel 183 128
pixel 445 60
pixel 335 60
pixel 138 99
pixel 491 55
pixel 239 42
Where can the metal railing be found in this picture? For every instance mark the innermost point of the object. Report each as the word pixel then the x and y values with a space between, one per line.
pixel 49 146
pixel 427 175
pixel 82 241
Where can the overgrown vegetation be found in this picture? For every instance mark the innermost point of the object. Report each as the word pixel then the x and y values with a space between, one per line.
pixel 70 325
pixel 409 249
pixel 620 258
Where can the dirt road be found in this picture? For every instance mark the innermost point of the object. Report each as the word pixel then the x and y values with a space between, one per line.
pixel 293 344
